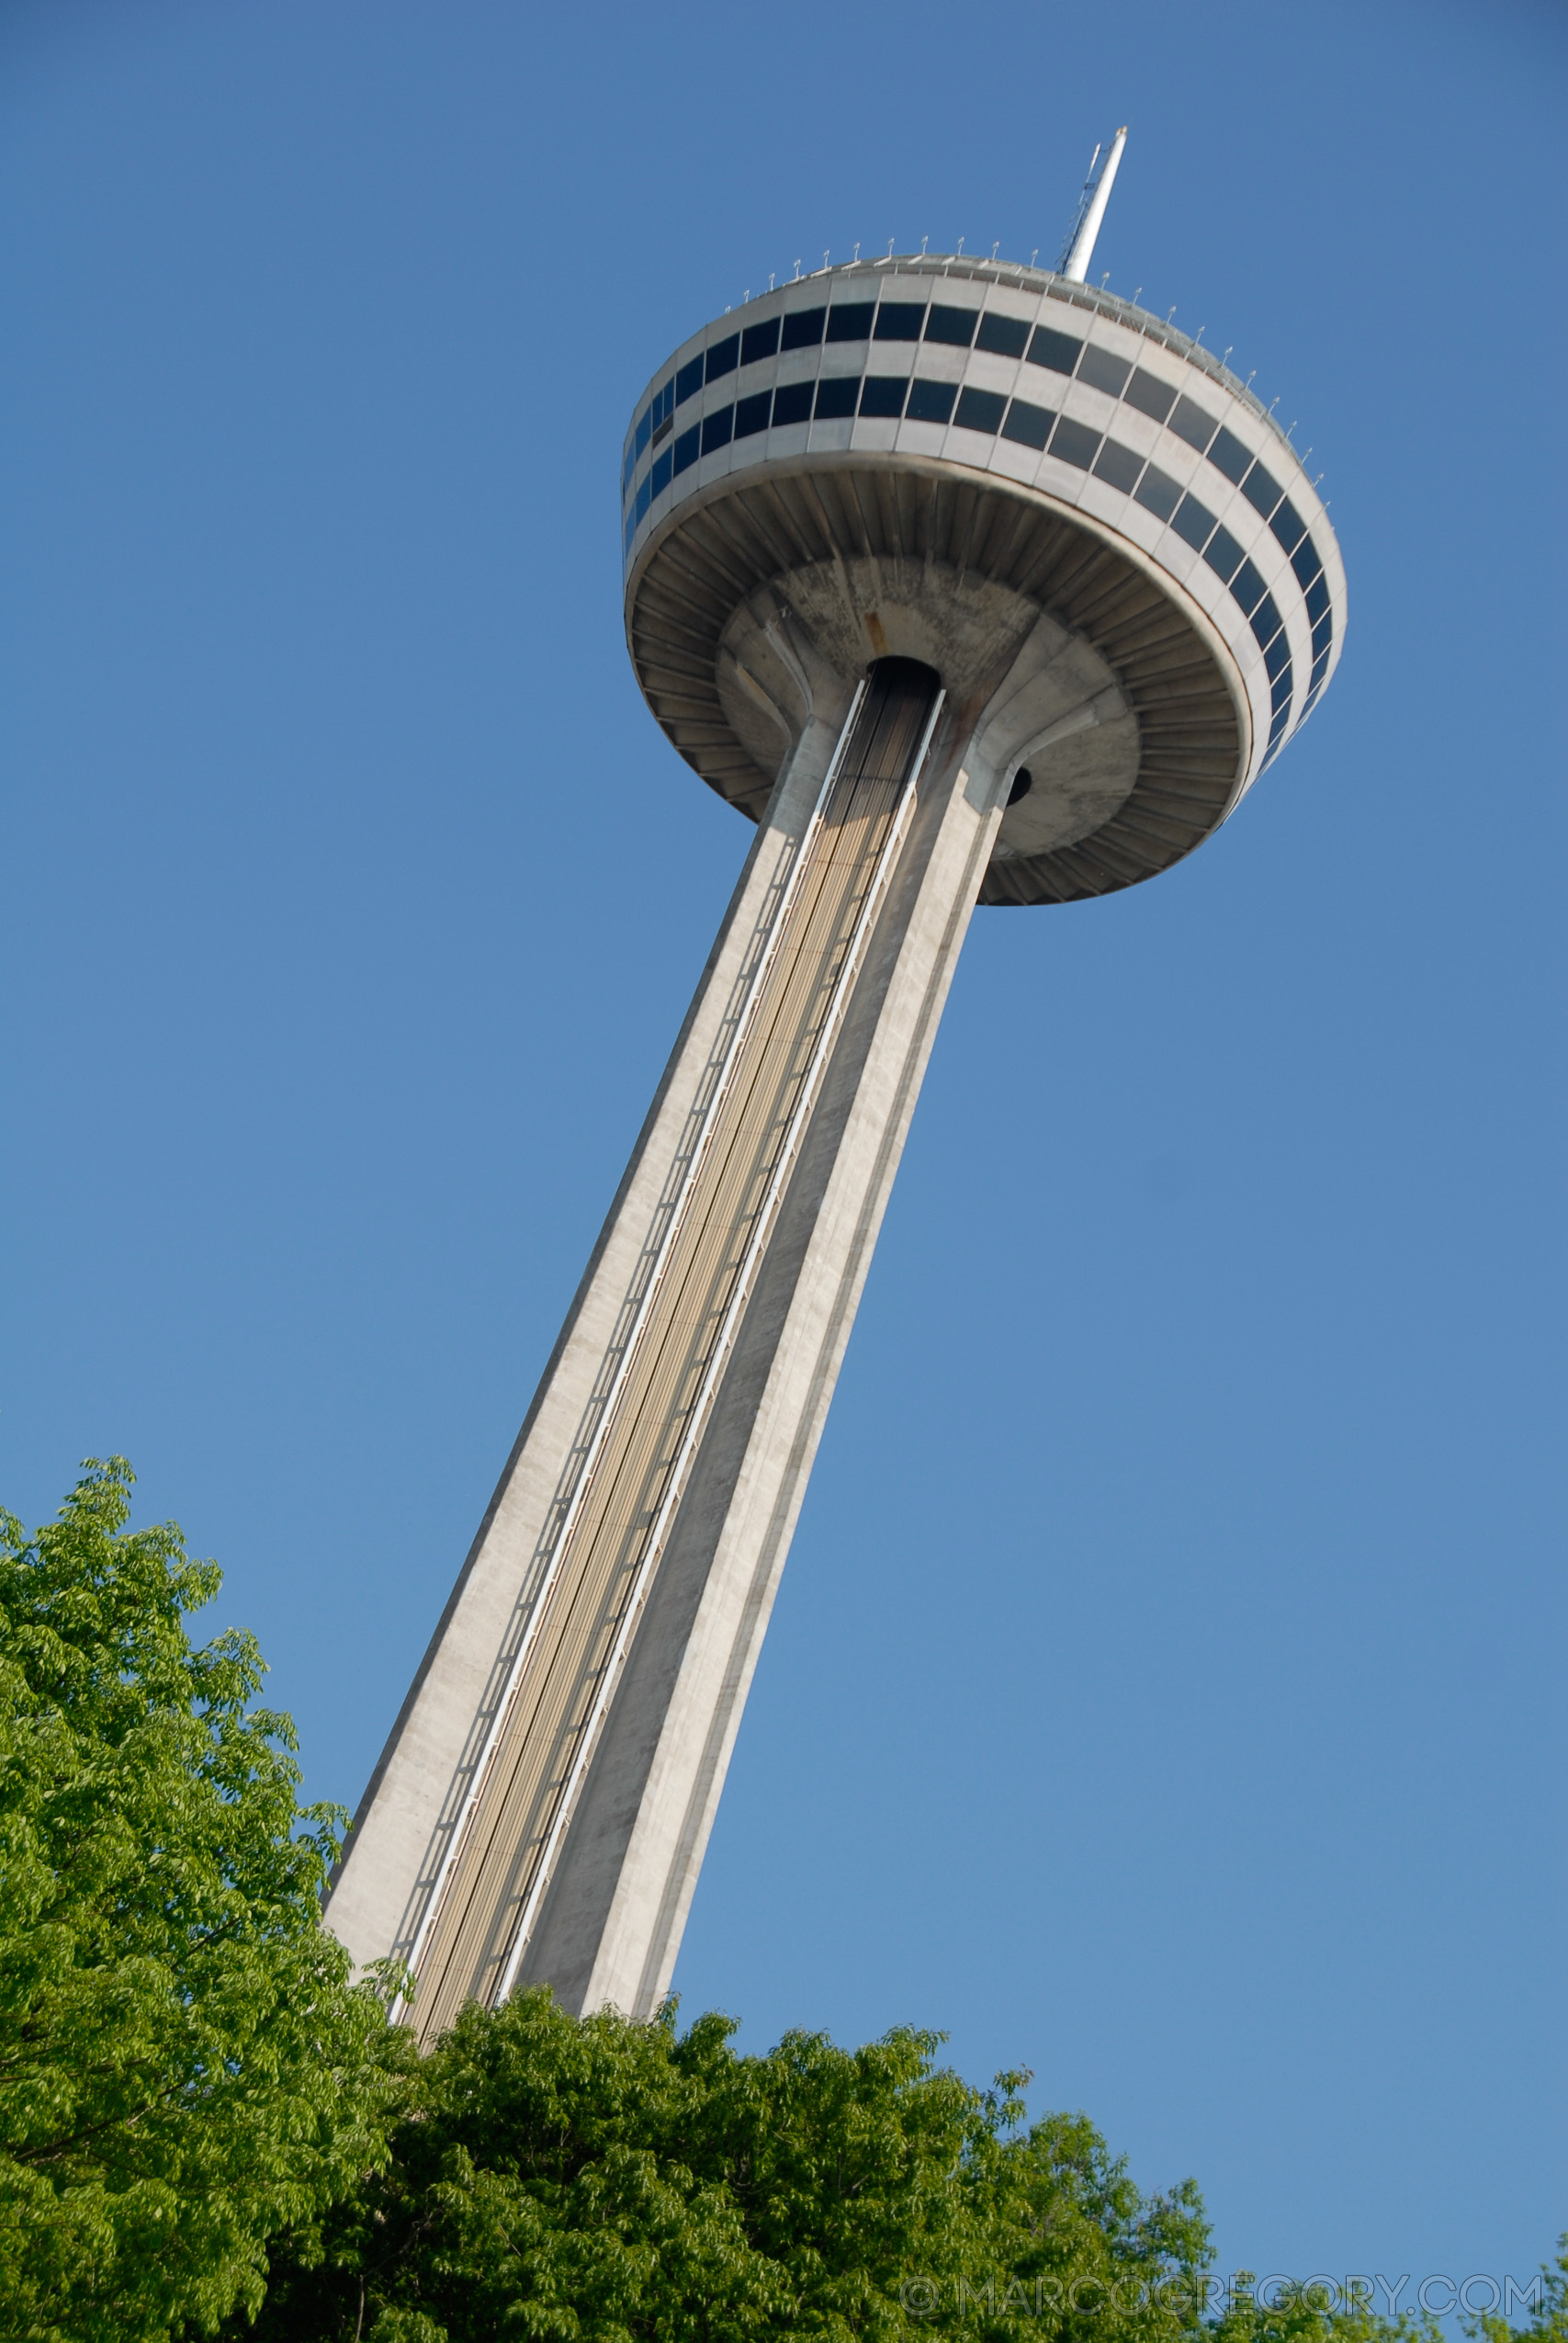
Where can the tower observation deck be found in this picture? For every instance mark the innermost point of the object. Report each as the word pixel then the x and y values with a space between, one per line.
pixel 965 583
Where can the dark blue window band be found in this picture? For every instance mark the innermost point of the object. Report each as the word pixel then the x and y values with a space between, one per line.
pixel 981 410
pixel 992 414
pixel 792 402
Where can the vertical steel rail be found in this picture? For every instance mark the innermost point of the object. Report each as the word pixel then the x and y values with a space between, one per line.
pixel 561 1541
pixel 696 1423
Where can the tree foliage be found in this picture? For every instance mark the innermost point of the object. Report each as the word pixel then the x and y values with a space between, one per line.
pixel 185 2065
pixel 595 2179
pixel 205 2125
pixel 590 2180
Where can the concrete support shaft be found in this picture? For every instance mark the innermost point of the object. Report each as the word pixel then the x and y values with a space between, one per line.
pixel 606 1927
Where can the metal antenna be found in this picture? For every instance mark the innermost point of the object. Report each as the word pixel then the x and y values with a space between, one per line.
pixel 1079 249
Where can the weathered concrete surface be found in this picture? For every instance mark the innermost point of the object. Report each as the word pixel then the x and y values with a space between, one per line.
pixel 608 1927
pixel 369 1905
pixel 612 1928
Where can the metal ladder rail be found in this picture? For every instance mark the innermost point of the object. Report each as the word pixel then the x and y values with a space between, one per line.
pixel 463 1795
pixel 718 1360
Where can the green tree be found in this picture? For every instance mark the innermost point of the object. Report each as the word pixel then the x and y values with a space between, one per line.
pixel 185 2064
pixel 1550 2322
pixel 594 2179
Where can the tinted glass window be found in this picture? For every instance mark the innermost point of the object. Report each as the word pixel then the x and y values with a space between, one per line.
pixel 1031 426
pixel 1075 443
pixel 803 328
pixel 760 342
pixel 1190 423
pixel 723 356
pixel 717 429
pixel 688 380
pixel 662 430
pixel 660 475
pixel 1317 598
pixel 644 425
pixel 685 449
pixel 1006 336
pixel 1248 586
pixel 981 410
pixel 1058 351
pixel 792 402
pixel 837 395
pixel 850 321
pixel 1149 394
pixel 628 467
pixel 631 531
pixel 1322 637
pixel 644 497
pixel 1222 554
pixel 1191 520
pixel 751 415
pixel 1306 564
pixel 1027 424
pixel 1276 658
pixel 1158 492
pixel 899 320
pixel 1289 527
pixel 1261 490
pixel 883 394
pixel 954 325
pixel 930 402
pixel 1119 465
pixel 1265 621
pixel 664 405
pixel 1229 455
pixel 1319 667
pixel 1104 371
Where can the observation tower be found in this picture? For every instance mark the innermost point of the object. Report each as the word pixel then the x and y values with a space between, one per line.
pixel 963 582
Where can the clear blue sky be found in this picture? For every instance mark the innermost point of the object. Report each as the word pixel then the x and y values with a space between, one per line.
pixel 1165 1688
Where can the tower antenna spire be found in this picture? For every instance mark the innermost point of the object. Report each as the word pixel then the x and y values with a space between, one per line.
pixel 1079 249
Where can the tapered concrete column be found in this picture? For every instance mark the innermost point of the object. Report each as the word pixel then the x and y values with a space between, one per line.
pixel 611 1927
pixel 375 1906
pixel 603 1665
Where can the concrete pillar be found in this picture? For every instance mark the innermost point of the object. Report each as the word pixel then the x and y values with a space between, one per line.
pixel 586 1878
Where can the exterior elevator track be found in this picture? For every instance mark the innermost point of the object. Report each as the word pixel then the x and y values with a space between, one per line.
pixel 482 1889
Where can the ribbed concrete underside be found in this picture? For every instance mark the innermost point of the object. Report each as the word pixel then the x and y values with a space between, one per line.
pixel 762 525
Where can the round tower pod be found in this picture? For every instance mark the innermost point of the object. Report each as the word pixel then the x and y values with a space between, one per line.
pixel 1090 529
